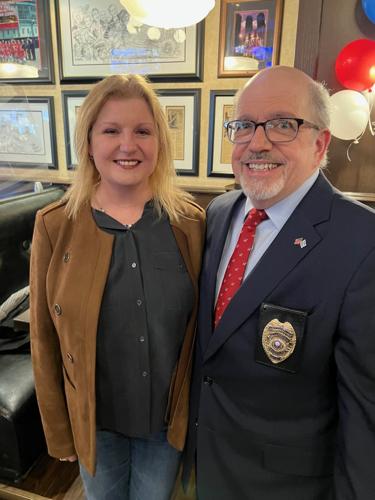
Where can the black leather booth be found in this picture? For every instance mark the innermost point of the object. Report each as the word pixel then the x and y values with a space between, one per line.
pixel 21 436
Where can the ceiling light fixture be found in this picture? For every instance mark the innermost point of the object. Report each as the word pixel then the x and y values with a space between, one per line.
pixel 168 13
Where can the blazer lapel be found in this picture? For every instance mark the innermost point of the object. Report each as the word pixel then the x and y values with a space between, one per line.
pixel 279 260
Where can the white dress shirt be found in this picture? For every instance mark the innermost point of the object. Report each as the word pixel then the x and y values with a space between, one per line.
pixel 266 232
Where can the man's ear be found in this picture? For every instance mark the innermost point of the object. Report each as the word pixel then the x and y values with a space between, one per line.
pixel 322 142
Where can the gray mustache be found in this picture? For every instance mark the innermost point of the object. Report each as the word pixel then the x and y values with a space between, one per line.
pixel 258 156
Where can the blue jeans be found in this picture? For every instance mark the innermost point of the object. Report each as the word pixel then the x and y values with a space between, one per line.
pixel 132 468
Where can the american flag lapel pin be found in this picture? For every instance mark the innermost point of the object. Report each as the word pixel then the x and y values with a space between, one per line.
pixel 301 242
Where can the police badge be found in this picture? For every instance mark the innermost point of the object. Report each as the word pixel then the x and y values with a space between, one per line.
pixel 278 340
pixel 280 337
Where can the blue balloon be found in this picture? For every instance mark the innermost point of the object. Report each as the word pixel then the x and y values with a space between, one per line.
pixel 369 8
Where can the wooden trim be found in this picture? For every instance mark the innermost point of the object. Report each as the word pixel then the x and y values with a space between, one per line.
pixel 366 197
pixel 308 36
pixel 11 493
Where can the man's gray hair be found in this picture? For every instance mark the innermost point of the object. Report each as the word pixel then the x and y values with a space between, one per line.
pixel 320 104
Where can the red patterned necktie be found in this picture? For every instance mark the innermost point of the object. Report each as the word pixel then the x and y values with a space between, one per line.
pixel 235 270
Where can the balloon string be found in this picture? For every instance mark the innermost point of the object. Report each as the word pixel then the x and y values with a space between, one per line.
pixel 370 99
pixel 371 125
pixel 356 141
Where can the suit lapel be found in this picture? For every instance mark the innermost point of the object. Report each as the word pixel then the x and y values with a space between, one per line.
pixel 279 260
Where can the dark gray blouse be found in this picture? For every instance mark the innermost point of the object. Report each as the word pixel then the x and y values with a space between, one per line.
pixel 145 309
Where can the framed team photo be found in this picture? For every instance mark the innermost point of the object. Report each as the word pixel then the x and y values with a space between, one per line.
pixel 25 42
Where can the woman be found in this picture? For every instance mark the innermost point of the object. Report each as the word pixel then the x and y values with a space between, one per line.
pixel 114 271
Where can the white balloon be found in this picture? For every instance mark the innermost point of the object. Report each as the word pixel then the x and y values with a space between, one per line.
pixel 350 114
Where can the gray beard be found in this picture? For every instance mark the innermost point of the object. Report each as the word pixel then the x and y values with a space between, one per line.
pixel 257 190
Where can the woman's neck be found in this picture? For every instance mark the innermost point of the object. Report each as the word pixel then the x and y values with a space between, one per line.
pixel 124 205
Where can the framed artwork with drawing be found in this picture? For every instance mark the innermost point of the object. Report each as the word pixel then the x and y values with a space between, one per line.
pixel 25 42
pixel 72 100
pixel 182 107
pixel 219 147
pixel 249 36
pixel 99 38
pixel 27 137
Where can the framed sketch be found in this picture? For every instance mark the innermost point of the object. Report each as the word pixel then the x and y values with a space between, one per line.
pixel 98 38
pixel 219 147
pixel 182 108
pixel 27 137
pixel 249 36
pixel 72 100
pixel 25 42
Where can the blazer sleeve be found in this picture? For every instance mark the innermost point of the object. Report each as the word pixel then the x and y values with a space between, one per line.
pixel 355 361
pixel 45 350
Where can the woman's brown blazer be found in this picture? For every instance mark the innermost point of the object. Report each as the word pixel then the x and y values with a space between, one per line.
pixel 69 266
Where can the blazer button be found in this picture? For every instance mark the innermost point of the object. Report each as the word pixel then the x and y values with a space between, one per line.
pixel 70 357
pixel 58 309
pixel 208 380
pixel 66 257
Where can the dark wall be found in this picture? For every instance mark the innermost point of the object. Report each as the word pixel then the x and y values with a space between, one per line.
pixel 324 28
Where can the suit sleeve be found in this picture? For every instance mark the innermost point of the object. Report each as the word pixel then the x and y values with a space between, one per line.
pixel 355 361
pixel 45 350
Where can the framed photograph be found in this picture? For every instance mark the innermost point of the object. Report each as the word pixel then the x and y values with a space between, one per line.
pixel 98 38
pixel 27 137
pixel 219 147
pixel 182 108
pixel 72 100
pixel 249 36
pixel 25 42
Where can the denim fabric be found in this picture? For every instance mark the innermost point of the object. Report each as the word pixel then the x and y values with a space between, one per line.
pixel 132 468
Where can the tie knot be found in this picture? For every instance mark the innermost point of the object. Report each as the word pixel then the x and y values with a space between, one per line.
pixel 255 217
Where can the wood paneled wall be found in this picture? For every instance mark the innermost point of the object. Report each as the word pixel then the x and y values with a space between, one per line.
pixel 324 28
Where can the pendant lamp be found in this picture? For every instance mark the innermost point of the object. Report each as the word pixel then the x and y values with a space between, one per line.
pixel 168 13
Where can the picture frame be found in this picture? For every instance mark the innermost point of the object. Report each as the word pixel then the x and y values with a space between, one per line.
pixel 182 108
pixel 27 132
pixel 249 36
pixel 72 100
pixel 97 39
pixel 25 43
pixel 219 147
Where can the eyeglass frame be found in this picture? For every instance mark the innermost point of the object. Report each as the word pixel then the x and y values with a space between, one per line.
pixel 300 122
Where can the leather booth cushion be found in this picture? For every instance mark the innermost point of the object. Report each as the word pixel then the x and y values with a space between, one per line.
pixel 21 434
pixel 16 229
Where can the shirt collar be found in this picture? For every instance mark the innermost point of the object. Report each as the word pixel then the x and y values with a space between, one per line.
pixel 280 212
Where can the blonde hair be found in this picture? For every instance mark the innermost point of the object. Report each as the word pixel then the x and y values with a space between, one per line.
pixel 166 194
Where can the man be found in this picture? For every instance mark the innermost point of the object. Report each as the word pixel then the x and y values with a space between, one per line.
pixel 283 397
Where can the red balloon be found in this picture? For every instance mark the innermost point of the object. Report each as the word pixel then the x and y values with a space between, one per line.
pixel 355 65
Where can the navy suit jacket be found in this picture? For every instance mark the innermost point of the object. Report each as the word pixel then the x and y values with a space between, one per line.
pixel 302 429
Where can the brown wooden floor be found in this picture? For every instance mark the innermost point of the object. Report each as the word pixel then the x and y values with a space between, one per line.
pixel 49 479
pixel 53 480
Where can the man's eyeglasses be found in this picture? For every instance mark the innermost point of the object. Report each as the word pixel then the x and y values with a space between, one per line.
pixel 276 130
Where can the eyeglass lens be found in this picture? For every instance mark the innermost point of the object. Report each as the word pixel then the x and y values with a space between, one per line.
pixel 277 130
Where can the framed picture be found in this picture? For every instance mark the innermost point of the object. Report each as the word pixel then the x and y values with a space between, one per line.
pixel 182 108
pixel 219 147
pixel 72 100
pixel 27 137
pixel 25 42
pixel 98 38
pixel 249 36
